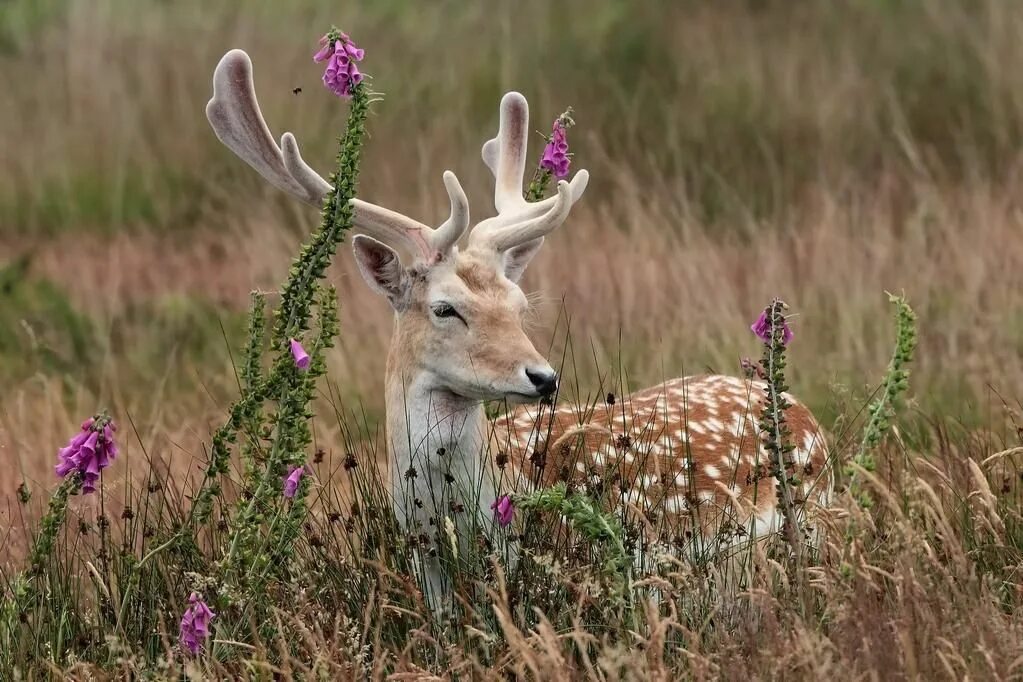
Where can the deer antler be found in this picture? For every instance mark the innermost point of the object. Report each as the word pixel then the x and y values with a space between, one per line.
pixel 236 119
pixel 518 221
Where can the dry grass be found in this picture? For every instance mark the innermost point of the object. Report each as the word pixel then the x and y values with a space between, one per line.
pixel 925 586
pixel 824 153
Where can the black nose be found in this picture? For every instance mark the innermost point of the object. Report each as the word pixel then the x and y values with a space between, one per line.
pixel 544 382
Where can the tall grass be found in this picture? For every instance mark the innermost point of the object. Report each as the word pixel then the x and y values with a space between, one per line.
pixel 922 584
pixel 825 152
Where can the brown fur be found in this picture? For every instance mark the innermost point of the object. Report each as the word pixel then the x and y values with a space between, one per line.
pixel 638 449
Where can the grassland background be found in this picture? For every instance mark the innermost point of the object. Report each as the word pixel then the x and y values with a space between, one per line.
pixel 823 152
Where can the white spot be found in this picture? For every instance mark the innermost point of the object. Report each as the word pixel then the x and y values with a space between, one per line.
pixel 766 522
pixel 738 425
pixel 647 481
pixel 809 441
pixel 580 467
pixel 675 504
pixel 712 471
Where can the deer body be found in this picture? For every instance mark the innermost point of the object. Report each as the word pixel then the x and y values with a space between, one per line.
pixel 684 452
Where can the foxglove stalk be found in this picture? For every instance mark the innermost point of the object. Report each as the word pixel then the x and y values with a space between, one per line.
pixel 762 328
pixel 555 160
pixel 555 154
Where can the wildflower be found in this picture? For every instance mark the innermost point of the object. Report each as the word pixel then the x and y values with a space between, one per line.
pixel 89 452
pixel 504 510
pixel 554 161
pixel 762 328
pixel 301 357
pixel 195 624
pixel 326 49
pixel 555 154
pixel 340 53
pixel 291 481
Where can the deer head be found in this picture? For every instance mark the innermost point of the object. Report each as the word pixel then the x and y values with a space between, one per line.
pixel 459 313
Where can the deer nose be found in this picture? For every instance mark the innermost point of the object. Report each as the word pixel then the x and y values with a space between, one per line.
pixel 545 381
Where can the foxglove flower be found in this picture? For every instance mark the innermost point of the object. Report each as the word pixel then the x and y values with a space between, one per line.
pixel 504 510
pixel 762 328
pixel 292 480
pixel 89 452
pixel 301 357
pixel 195 624
pixel 325 51
pixel 555 154
pixel 340 53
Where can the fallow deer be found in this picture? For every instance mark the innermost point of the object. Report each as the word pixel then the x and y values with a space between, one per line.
pixel 685 445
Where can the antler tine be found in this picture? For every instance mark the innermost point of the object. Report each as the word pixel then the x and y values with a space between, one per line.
pixel 535 209
pixel 236 119
pixel 500 239
pixel 300 170
pixel 505 154
pixel 518 221
pixel 448 234
pixel 502 232
pixel 392 227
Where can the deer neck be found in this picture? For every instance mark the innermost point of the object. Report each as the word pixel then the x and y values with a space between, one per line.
pixel 438 446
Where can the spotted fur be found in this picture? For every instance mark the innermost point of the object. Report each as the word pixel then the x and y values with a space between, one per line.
pixel 686 451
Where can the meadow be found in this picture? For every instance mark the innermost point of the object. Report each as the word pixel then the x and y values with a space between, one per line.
pixel 824 153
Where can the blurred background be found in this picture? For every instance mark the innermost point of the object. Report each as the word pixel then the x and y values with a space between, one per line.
pixel 822 152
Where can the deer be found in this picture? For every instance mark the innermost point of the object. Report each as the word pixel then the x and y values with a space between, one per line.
pixel 688 444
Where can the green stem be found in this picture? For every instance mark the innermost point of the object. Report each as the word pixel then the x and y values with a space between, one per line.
pixel 894 385
pixel 292 389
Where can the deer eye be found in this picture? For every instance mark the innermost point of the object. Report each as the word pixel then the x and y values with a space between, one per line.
pixel 445 310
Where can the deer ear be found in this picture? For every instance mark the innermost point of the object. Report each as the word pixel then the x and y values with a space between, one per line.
pixel 382 270
pixel 518 257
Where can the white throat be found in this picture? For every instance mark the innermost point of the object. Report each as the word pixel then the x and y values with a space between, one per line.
pixel 439 452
